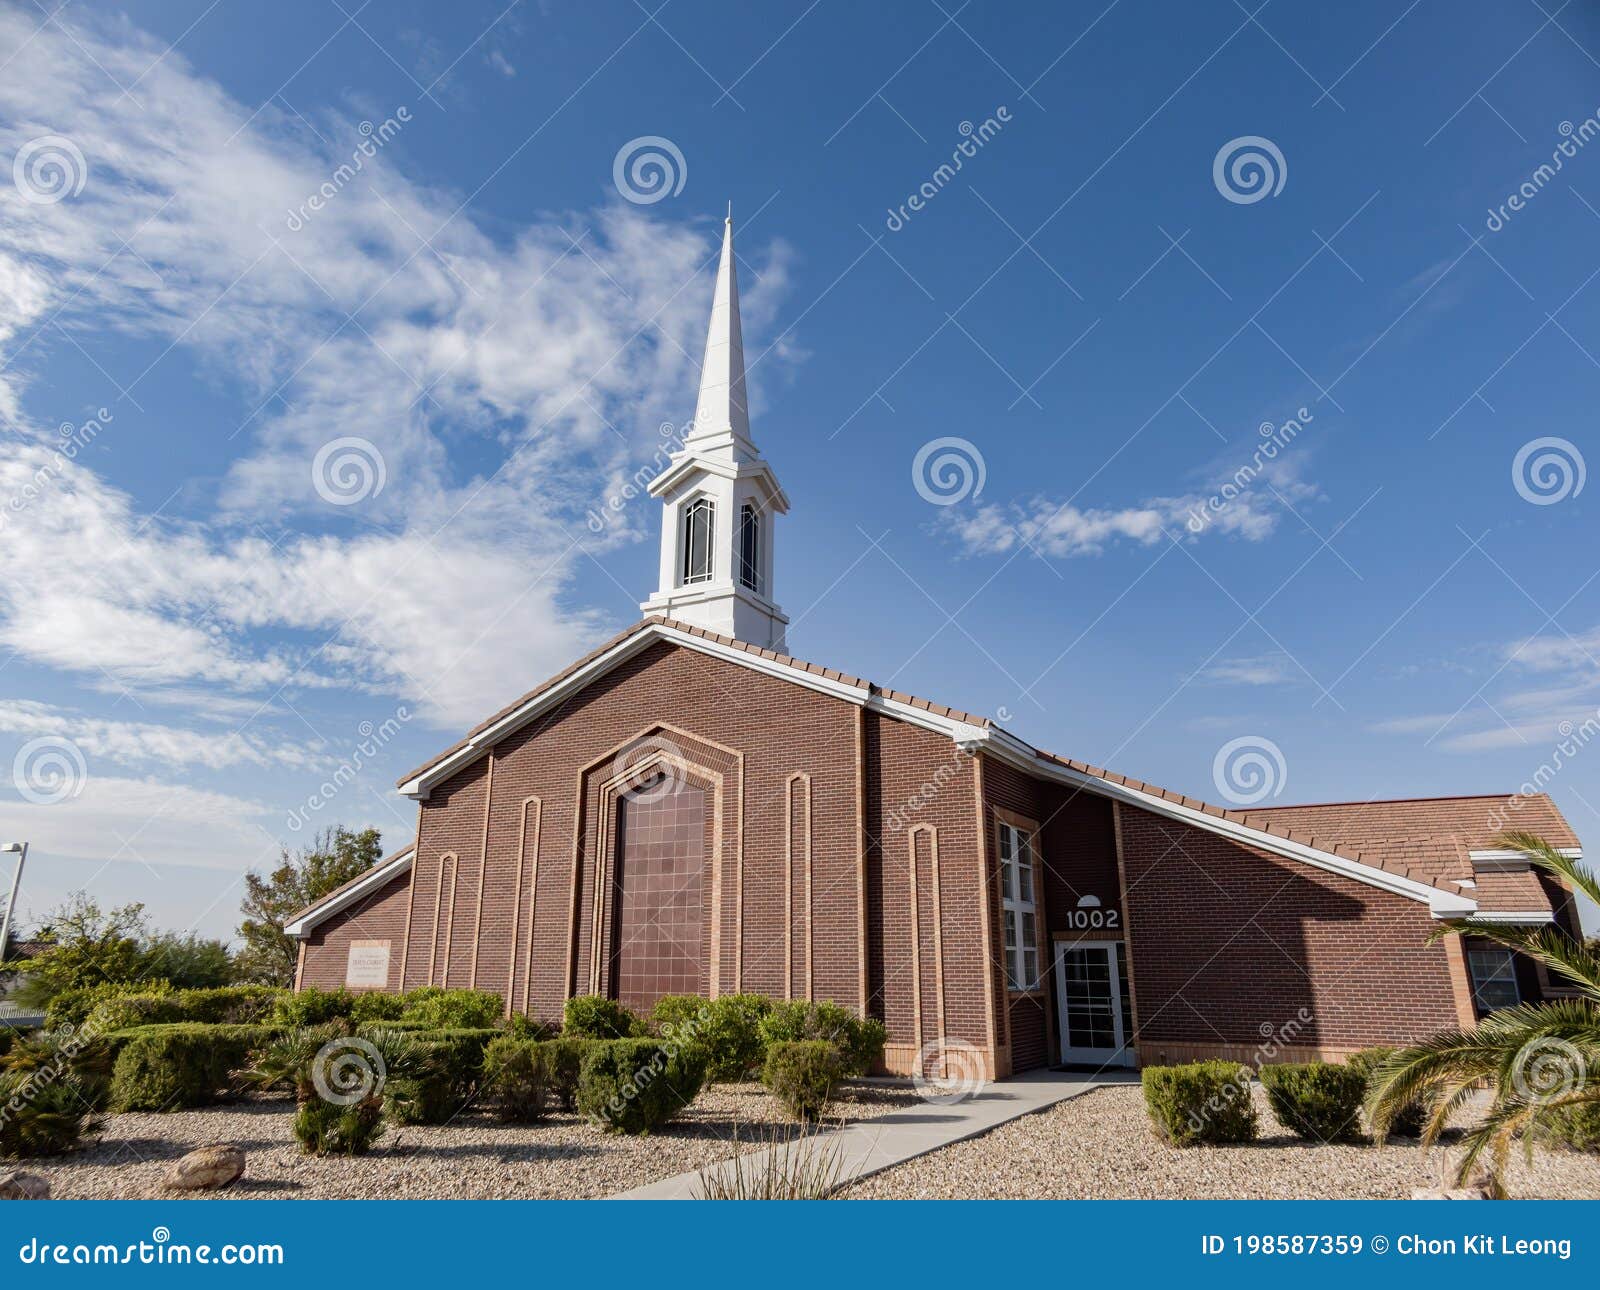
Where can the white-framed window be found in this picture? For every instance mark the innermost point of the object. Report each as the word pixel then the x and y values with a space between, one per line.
pixel 1018 885
pixel 1494 979
pixel 750 547
pixel 699 530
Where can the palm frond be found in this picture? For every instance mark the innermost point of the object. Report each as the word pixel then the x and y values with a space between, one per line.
pixel 1577 961
pixel 1548 858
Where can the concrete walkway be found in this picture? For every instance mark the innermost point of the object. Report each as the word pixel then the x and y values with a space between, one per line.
pixel 870 1146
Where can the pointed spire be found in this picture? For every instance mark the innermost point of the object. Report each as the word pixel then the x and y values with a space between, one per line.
pixel 721 408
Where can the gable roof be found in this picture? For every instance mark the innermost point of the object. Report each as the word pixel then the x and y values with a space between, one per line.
pixel 349 893
pixel 1420 848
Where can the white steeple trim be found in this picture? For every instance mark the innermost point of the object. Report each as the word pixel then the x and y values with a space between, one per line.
pixel 720 464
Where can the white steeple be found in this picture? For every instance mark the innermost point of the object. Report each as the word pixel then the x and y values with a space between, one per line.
pixel 719 497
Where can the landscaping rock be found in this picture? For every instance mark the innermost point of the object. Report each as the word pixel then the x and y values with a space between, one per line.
pixel 17 1185
pixel 205 1169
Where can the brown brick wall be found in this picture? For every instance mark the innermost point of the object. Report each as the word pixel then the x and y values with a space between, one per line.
pixel 378 917
pixel 1232 945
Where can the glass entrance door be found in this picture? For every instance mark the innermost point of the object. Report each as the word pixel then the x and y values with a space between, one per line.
pixel 1094 1012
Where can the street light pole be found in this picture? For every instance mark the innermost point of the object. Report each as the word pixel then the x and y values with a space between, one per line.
pixel 21 848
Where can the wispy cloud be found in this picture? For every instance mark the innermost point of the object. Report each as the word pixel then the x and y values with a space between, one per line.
pixel 1276 668
pixel 138 743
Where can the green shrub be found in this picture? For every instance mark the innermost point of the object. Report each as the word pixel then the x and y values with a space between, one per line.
pixel 803 1075
pixel 521 1027
pixel 219 1005
pixel 377 1005
pixel 331 1129
pixel 565 1060
pixel 313 1007
pixel 42 1113
pixel 516 1073
pixel 1576 1125
pixel 859 1040
pixel 1317 1101
pixel 1409 1121
pixel 592 1016
pixel 1201 1102
pixel 432 1088
pixel 187 1064
pixel 71 1007
pixel 288 1059
pixel 636 1085
pixel 7 1037
pixel 727 1029
pixel 85 1056
pixel 369 1028
pixel 454 1009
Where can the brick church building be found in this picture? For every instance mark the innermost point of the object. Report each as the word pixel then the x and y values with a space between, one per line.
pixel 689 809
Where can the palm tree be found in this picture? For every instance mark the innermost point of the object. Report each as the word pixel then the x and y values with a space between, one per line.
pixel 1536 1058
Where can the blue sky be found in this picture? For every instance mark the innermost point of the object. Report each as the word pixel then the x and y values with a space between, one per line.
pixel 1400 601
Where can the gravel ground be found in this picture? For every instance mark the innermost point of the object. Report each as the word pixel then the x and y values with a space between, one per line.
pixel 474 1157
pixel 1102 1146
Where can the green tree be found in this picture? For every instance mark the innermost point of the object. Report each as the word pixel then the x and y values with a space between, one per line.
pixel 86 946
pixel 1540 1060
pixel 190 962
pixel 334 857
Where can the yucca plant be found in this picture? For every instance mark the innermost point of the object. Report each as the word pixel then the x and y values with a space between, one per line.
pixel 794 1164
pixel 1539 1060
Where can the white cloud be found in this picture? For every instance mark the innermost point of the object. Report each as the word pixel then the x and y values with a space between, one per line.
pixel 1063 530
pixel 1267 669
pixel 501 378
pixel 136 743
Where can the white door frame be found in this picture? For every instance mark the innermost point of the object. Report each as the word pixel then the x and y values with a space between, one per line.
pixel 1122 1054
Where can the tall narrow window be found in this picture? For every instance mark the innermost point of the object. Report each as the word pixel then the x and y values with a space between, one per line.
pixel 1494 979
pixel 699 527
pixel 1021 909
pixel 750 547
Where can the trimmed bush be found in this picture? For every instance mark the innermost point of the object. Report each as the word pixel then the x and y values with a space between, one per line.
pixel 521 1027
pixel 1317 1101
pixel 636 1085
pixel 565 1058
pixel 329 1129
pixel 727 1029
pixel 454 1009
pixel 1202 1102
pixel 314 1007
pixel 803 1075
pixel 1409 1122
pixel 172 1067
pixel 367 1029
pixel 516 1073
pixel 859 1040
pixel 71 1007
pixel 40 1115
pixel 592 1016
pixel 225 1005
pixel 377 1005
pixel 1576 1126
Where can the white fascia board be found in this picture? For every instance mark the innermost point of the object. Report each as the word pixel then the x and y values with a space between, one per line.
pixel 1502 855
pixel 480 743
pixel 375 878
pixel 1441 904
pixel 1511 916
pixel 967 737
